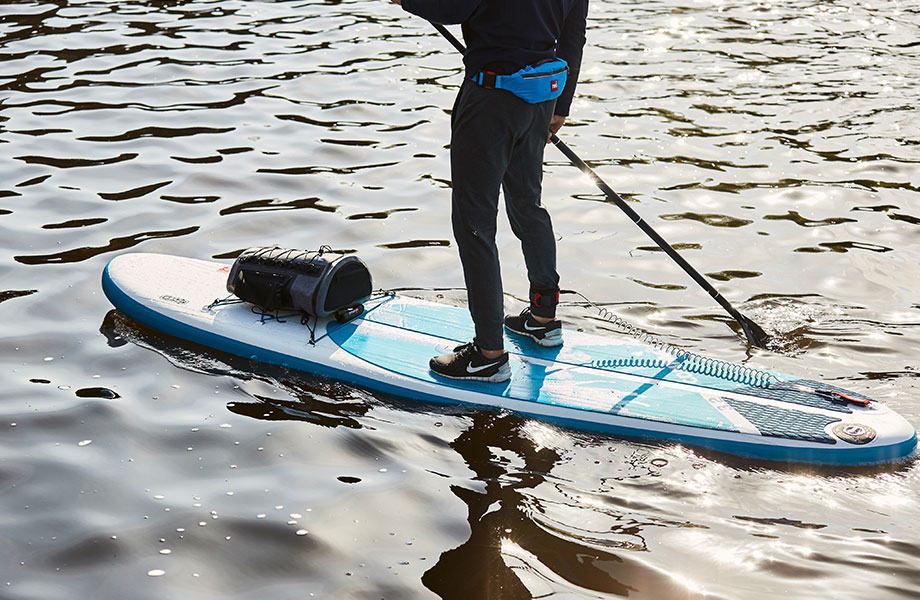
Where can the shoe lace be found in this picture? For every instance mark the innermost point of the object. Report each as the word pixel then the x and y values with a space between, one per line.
pixel 466 349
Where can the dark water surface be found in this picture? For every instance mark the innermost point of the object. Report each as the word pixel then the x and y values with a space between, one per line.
pixel 778 145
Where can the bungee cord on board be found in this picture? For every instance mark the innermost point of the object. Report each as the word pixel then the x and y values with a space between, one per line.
pixel 685 359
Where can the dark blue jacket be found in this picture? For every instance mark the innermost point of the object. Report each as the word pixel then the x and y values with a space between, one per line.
pixel 507 35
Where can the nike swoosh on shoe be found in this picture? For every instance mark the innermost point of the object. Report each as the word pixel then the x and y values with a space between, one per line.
pixel 471 369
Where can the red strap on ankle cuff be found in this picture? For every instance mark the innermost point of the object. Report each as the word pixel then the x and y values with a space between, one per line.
pixel 538 297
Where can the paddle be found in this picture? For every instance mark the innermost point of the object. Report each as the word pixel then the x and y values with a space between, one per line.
pixel 755 335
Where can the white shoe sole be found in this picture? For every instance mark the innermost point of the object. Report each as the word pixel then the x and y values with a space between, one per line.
pixel 548 341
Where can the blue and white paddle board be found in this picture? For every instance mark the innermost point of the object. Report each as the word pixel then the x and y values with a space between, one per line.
pixel 591 382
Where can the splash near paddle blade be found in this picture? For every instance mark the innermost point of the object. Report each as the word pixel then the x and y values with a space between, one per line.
pixel 755 335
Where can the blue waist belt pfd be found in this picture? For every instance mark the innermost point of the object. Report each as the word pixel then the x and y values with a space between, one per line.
pixel 531 84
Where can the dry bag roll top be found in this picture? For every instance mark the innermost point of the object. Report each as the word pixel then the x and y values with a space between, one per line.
pixel 318 283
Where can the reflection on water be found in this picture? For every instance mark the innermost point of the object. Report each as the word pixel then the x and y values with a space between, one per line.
pixel 517 548
pixel 775 146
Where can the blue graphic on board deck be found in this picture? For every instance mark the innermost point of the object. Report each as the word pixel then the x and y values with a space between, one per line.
pixel 610 354
pixel 534 379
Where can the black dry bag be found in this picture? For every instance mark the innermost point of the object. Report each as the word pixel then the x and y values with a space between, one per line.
pixel 318 283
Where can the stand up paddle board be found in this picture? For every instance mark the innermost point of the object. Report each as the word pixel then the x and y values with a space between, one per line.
pixel 591 382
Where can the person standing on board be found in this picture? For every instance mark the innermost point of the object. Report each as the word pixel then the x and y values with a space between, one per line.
pixel 522 61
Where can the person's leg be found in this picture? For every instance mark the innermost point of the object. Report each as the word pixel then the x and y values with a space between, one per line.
pixel 483 129
pixel 530 221
pixel 479 153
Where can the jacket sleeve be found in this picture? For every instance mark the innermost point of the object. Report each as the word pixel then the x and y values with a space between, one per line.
pixel 570 48
pixel 443 12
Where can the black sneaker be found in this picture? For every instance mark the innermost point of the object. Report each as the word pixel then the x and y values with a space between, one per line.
pixel 467 362
pixel 545 334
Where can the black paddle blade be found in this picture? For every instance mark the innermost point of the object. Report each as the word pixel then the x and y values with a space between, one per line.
pixel 756 336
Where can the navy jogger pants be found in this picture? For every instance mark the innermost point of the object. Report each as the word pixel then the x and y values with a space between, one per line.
pixel 497 141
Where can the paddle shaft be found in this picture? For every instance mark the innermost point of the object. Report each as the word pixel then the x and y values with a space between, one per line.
pixel 450 37
pixel 754 334
pixel 649 231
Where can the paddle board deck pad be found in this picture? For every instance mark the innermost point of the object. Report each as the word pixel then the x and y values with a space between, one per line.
pixel 591 382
